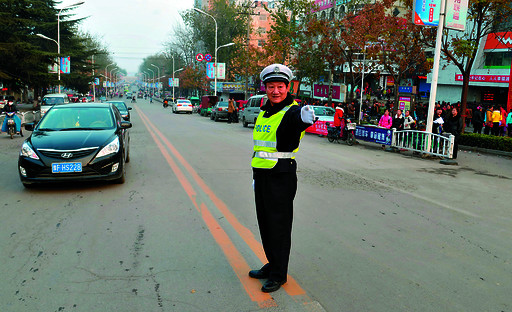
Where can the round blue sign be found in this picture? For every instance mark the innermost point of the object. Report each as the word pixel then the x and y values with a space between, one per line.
pixel 207 57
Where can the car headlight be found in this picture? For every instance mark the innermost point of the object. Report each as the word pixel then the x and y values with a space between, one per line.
pixel 110 148
pixel 27 151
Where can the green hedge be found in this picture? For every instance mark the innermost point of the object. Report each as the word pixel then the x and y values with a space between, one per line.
pixel 486 141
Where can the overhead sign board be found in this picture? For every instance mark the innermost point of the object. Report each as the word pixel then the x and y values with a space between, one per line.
pixel 426 12
pixel 456 14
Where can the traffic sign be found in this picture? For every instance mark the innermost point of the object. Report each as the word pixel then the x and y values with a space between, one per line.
pixel 208 57
pixel 199 57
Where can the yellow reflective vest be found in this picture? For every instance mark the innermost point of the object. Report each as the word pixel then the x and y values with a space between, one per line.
pixel 265 140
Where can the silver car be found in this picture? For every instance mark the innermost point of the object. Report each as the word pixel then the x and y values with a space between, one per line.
pixel 252 110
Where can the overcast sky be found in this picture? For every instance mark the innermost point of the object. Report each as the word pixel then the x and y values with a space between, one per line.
pixel 131 29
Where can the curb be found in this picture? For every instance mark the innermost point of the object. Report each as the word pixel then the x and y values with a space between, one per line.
pixel 485 150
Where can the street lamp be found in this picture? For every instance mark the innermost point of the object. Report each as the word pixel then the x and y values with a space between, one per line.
pixel 153 77
pixel 58 30
pixel 222 46
pixel 106 84
pixel 58 51
pixel 215 66
pixel 110 74
pixel 177 70
pixel 158 74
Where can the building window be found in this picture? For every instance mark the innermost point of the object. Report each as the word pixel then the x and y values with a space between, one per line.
pixel 497 60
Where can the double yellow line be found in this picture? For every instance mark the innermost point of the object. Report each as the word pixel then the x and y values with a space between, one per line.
pixel 234 257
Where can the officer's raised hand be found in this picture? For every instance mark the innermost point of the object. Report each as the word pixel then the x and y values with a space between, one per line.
pixel 307 114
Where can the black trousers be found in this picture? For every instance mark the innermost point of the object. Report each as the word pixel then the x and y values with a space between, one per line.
pixel 274 193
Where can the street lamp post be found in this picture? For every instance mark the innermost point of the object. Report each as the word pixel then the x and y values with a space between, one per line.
pixel 58 30
pixel 110 74
pixel 215 66
pixel 58 51
pixel 174 71
pixel 153 77
pixel 106 77
pixel 222 46
pixel 158 69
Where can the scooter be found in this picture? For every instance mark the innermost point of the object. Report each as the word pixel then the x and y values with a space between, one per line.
pixel 165 104
pixel 11 124
pixel 334 133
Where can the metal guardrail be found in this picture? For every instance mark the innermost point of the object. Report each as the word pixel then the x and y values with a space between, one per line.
pixel 420 141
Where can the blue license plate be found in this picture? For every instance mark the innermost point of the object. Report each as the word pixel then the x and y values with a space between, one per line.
pixel 66 167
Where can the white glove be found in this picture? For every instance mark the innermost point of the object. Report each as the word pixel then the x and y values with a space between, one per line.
pixel 307 114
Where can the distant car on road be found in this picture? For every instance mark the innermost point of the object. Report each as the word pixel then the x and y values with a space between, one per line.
pixel 52 99
pixel 252 110
pixel 123 109
pixel 220 110
pixel 182 105
pixel 81 142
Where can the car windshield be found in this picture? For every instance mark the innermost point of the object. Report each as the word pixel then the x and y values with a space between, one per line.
pixel 184 102
pixel 223 104
pixel 324 111
pixel 53 100
pixel 77 118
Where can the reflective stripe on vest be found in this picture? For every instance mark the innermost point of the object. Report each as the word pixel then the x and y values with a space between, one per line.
pixel 265 141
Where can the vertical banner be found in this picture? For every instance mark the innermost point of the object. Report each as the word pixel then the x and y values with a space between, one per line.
pixel 65 65
pixel 174 82
pixel 456 14
pixel 54 67
pixel 221 70
pixel 209 70
pixel 97 81
pixel 426 12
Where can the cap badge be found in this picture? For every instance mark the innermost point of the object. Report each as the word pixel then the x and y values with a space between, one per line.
pixel 276 69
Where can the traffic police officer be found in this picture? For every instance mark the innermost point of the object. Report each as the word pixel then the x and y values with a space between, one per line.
pixel 277 133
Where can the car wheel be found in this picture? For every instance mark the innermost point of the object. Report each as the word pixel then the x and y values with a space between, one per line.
pixel 244 123
pixel 216 118
pixel 122 178
pixel 211 117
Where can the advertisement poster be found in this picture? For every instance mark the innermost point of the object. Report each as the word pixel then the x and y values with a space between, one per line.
pixel 209 70
pixel 54 68
pixel 174 82
pixel 221 70
pixel 456 13
pixel 426 12
pixel 374 134
pixel 404 103
pixel 65 65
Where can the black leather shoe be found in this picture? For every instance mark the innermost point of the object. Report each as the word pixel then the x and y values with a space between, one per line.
pixel 262 273
pixel 271 286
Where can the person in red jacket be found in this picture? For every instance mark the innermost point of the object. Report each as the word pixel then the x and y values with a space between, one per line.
pixel 338 119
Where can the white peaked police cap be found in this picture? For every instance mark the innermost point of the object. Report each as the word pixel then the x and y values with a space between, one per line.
pixel 276 72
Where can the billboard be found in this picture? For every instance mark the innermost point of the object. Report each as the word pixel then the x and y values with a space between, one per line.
pixel 456 13
pixel 221 70
pixel 174 82
pixel 426 12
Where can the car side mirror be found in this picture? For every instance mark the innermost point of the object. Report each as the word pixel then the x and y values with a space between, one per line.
pixel 29 126
pixel 126 125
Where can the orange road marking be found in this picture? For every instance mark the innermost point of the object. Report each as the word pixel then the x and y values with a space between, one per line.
pixel 236 260
pixel 291 287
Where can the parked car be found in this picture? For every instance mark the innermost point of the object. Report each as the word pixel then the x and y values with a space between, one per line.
pixel 52 99
pixel 252 110
pixel 220 110
pixel 182 105
pixel 123 109
pixel 81 142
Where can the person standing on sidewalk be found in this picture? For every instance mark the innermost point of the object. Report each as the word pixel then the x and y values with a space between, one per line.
pixel 231 109
pixel 478 120
pixel 509 123
pixel 277 133
pixel 453 125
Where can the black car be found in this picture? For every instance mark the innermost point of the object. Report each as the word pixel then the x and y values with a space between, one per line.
pixel 86 141
pixel 123 109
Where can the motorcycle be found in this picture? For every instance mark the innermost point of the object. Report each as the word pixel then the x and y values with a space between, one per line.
pixel 134 100
pixel 334 133
pixel 11 124
pixel 166 103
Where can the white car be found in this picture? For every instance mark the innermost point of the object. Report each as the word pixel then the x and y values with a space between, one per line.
pixel 182 105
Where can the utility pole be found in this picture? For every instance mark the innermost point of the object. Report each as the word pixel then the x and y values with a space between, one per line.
pixel 249 13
